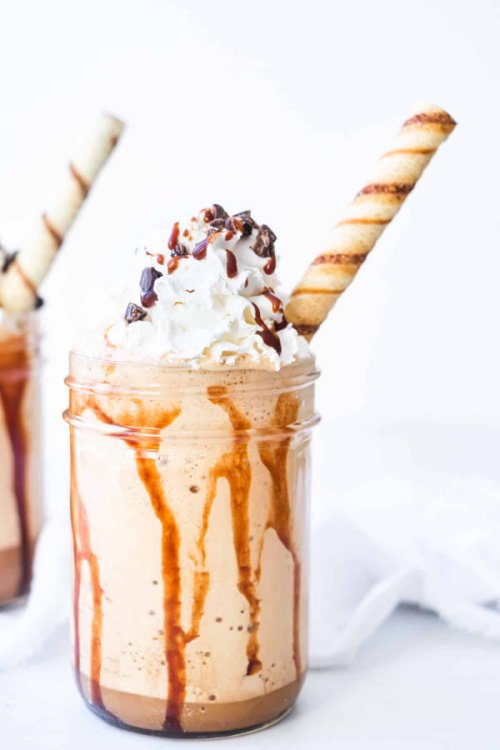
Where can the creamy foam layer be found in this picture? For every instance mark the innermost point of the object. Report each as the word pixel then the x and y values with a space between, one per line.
pixel 207 294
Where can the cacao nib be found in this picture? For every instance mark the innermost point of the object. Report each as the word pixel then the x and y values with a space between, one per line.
pixel 134 313
pixel 148 278
pixel 148 298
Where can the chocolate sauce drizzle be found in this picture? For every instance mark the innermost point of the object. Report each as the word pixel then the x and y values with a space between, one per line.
pixel 231 264
pixel 175 638
pixel 12 391
pixel 274 456
pixel 175 641
pixel 270 266
pixel 174 236
pixel 270 338
pixel 234 466
pixel 275 301
pixel 200 251
pixel 82 552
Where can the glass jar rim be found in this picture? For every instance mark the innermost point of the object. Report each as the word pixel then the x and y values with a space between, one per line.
pixel 296 375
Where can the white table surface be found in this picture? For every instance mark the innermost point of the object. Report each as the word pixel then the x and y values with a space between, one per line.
pixel 416 684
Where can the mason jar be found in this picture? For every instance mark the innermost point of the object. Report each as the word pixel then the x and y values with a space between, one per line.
pixel 20 459
pixel 189 505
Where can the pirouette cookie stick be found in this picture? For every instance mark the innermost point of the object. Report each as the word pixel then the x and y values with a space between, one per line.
pixel 368 215
pixel 19 284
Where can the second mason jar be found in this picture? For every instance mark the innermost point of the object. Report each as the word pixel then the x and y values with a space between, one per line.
pixel 189 494
pixel 20 459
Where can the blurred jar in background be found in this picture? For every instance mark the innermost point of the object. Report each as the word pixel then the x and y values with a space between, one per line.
pixel 20 459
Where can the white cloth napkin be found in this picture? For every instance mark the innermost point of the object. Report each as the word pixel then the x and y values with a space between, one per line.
pixel 378 540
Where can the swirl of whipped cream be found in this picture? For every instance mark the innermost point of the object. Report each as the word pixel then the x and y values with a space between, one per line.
pixel 205 295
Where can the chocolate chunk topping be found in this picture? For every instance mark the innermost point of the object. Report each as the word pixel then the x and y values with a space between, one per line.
pixel 216 224
pixel 248 223
pixel 234 224
pixel 218 212
pixel 148 278
pixel 180 250
pixel 134 313
pixel 264 242
pixel 214 212
pixel 149 298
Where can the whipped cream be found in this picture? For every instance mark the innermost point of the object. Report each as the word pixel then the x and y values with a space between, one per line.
pixel 205 294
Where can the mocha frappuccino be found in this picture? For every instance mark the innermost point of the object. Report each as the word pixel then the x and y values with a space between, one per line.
pixel 20 484
pixel 190 414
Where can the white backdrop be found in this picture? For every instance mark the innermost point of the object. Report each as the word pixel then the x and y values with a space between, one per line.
pixel 282 107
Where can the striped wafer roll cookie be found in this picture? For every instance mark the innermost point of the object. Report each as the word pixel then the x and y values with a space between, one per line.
pixel 373 208
pixel 24 274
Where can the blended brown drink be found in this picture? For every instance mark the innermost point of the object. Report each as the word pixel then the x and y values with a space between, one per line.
pixel 190 419
pixel 20 463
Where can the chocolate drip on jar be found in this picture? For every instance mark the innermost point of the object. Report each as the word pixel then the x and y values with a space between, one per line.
pixel 175 641
pixel 175 637
pixel 82 552
pixel 235 468
pixel 274 456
